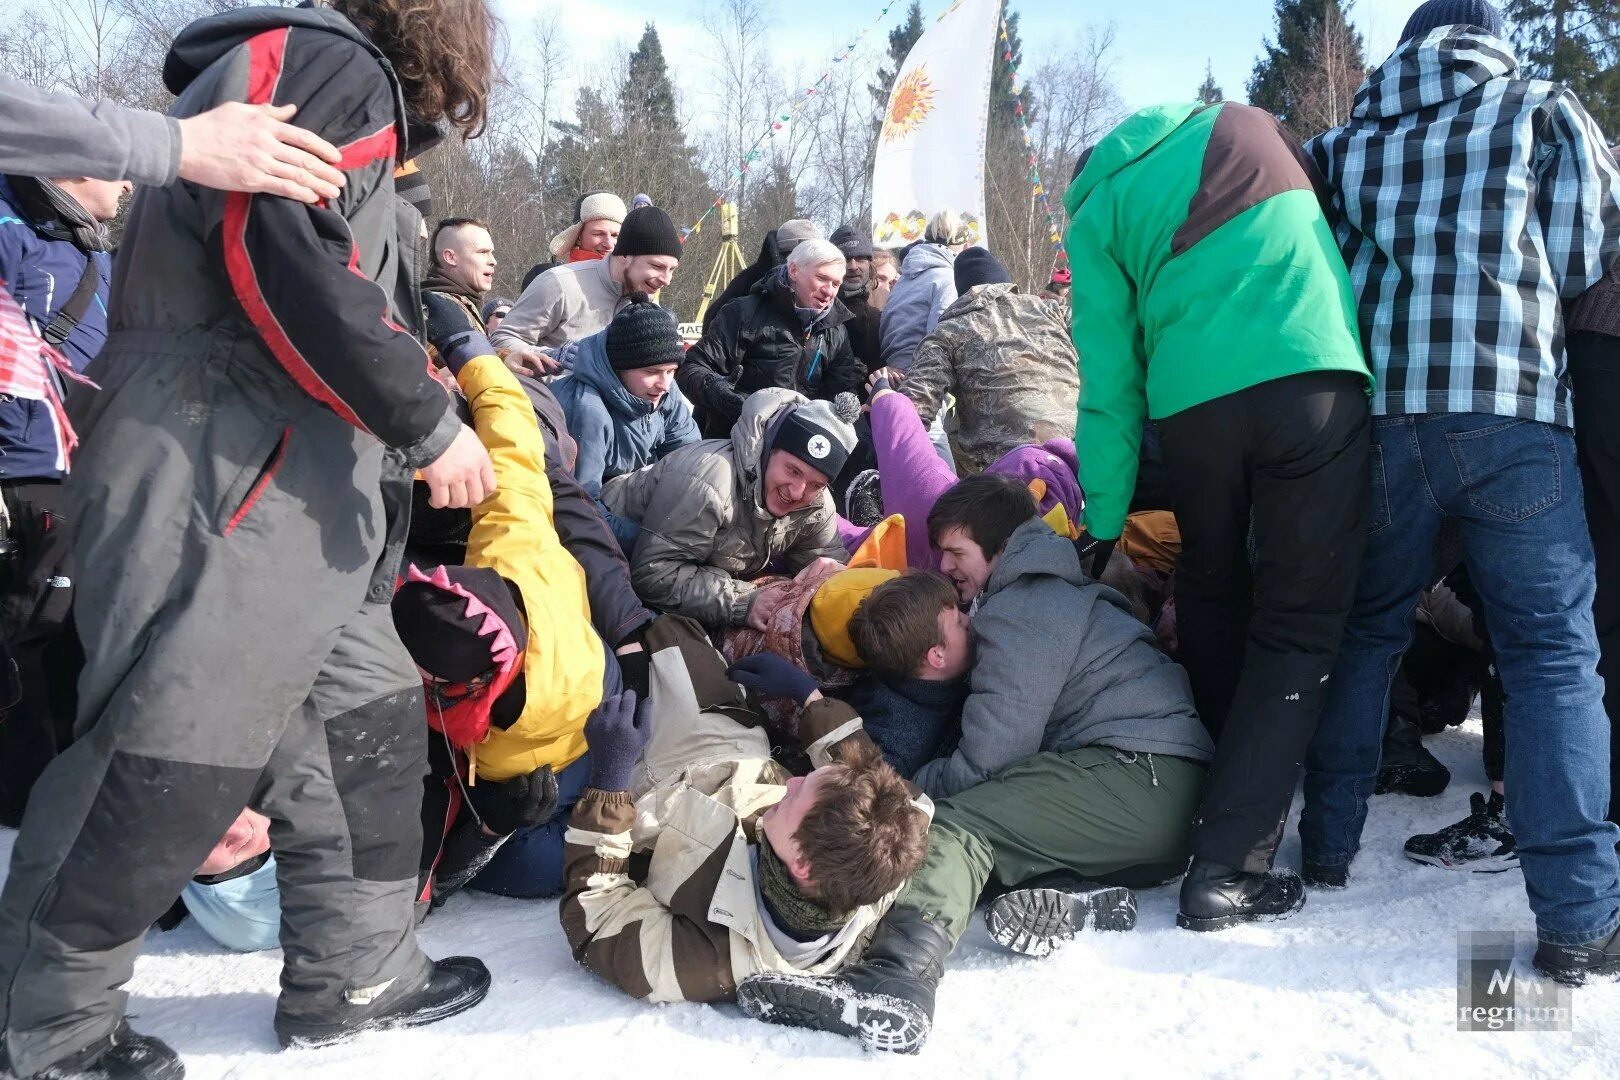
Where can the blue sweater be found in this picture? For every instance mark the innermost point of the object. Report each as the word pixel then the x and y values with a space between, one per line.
pixel 913 721
pixel 41 273
pixel 617 432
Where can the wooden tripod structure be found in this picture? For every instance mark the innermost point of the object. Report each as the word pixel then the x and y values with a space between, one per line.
pixel 727 264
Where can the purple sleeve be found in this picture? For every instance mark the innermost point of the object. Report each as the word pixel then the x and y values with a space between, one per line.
pixel 914 475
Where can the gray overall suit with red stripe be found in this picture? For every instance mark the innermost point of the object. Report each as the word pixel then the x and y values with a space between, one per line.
pixel 241 497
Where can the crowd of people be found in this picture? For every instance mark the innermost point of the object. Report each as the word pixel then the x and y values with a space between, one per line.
pixel 337 585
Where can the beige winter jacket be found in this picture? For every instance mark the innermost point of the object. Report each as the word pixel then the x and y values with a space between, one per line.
pixel 566 303
pixel 691 928
pixel 705 531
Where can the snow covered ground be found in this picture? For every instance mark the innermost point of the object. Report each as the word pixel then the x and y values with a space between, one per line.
pixel 1362 982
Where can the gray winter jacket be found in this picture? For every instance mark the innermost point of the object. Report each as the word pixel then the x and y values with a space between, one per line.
pixel 46 134
pixel 705 531
pixel 1061 664
pixel 927 286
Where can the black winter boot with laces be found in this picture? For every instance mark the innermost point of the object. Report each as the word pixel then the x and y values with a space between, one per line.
pixel 886 1000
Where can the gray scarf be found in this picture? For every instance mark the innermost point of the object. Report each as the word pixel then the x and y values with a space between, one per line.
pixel 58 214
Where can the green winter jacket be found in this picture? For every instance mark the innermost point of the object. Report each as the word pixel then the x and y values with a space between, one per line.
pixel 1203 265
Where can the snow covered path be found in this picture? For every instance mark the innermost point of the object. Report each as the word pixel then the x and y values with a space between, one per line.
pixel 1362 982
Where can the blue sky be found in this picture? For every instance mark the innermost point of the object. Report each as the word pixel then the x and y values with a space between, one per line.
pixel 1160 52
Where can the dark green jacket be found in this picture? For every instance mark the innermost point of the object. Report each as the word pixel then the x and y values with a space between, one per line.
pixel 1203 265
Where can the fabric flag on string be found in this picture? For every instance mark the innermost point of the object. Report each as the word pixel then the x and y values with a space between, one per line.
pixel 930 153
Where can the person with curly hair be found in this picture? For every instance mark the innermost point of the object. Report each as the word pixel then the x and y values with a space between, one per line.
pixel 242 500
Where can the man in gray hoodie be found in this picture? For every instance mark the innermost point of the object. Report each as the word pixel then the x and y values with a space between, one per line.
pixel 1080 768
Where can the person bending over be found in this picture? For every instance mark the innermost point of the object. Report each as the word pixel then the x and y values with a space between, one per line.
pixel 510 662
pixel 1077 777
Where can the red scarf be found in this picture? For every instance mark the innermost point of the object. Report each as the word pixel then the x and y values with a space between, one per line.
pixel 466 722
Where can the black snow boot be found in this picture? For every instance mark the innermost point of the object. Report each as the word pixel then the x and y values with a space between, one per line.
pixel 1044 912
pixel 456 984
pixel 1573 964
pixel 1407 767
pixel 886 1000
pixel 123 1055
pixel 1215 897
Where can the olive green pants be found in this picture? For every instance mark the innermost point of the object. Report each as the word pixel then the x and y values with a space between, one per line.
pixel 1109 816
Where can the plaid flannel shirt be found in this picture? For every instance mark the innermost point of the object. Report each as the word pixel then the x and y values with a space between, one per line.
pixel 1470 204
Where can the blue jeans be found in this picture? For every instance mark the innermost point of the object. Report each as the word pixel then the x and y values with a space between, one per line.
pixel 1514 491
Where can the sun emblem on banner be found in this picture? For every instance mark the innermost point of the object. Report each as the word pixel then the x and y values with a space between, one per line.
pixel 909 105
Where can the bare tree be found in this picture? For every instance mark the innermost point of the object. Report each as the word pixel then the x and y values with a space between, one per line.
pixel 1075 103
pixel 742 82
pixel 1324 89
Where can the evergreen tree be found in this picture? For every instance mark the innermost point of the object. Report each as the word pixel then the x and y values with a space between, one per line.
pixel 1309 74
pixel 901 40
pixel 1003 105
pixel 1210 93
pixel 648 96
pixel 1574 42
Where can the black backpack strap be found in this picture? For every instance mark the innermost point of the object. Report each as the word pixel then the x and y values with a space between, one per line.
pixel 69 314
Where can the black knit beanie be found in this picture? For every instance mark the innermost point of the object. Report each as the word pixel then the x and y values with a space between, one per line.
pixel 976 266
pixel 441 638
pixel 854 243
pixel 819 433
pixel 648 231
pixel 643 335
pixel 1438 13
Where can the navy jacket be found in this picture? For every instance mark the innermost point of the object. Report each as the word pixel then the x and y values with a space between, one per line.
pixel 41 272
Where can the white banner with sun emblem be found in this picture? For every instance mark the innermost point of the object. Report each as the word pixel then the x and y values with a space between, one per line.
pixel 930 154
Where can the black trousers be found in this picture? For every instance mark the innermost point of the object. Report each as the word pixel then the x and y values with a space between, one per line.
pixel 1286 459
pixel 1594 367
pixel 36 623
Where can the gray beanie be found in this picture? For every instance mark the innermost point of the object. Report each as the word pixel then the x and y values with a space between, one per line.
pixel 790 234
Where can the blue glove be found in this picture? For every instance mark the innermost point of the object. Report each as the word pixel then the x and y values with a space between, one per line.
pixel 616 733
pixel 772 676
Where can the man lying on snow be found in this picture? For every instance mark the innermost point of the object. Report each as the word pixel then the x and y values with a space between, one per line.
pixel 750 870
pixel 1080 766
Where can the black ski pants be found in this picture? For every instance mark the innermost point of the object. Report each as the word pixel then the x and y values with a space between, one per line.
pixel 1286 463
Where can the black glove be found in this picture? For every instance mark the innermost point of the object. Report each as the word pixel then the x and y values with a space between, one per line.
pixel 616 733
pixel 1094 555
pixel 517 803
pixel 466 851
pixel 772 676
pixel 881 383
pixel 636 667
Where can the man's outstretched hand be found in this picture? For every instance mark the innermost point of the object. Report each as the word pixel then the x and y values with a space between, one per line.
pixel 773 676
pixel 240 147
pixel 616 734
pixel 463 475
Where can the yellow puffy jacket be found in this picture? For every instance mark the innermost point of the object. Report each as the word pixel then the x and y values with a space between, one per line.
pixel 513 534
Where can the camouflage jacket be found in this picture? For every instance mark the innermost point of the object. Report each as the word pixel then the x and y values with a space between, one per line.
pixel 1008 359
